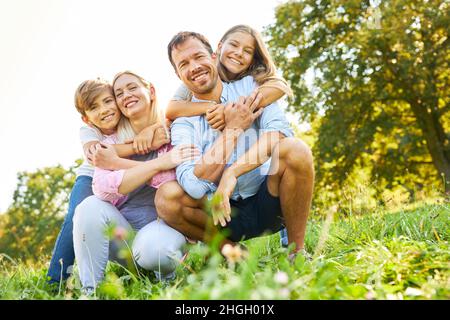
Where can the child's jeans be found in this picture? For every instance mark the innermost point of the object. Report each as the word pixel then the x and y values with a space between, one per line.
pixel 63 252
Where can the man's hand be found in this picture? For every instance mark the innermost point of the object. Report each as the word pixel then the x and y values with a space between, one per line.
pixel 241 114
pixel 216 117
pixel 104 156
pixel 222 211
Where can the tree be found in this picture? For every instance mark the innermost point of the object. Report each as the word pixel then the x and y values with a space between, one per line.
pixel 381 87
pixel 31 224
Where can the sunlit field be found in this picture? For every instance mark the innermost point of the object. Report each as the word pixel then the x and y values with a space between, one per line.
pixel 401 254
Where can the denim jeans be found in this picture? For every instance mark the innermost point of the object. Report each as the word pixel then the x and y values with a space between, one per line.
pixel 283 237
pixel 156 246
pixel 63 252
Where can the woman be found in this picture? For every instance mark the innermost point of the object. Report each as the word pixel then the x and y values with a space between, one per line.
pixel 124 198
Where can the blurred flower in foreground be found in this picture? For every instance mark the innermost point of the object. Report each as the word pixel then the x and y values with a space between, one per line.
pixel 233 254
pixel 281 277
pixel 120 233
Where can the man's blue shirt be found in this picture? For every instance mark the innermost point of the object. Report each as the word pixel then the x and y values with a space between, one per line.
pixel 196 130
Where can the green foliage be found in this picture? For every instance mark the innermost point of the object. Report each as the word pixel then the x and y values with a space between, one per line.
pixel 29 227
pixel 381 92
pixel 382 255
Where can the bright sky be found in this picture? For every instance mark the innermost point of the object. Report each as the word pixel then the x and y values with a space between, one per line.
pixel 48 47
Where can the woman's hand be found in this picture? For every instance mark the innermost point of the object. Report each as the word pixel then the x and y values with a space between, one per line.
pixel 216 117
pixel 104 156
pixel 177 155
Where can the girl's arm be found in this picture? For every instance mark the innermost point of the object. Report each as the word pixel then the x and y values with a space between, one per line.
pixel 270 95
pixel 105 156
pixel 143 143
pixel 272 90
pixel 180 108
pixel 123 150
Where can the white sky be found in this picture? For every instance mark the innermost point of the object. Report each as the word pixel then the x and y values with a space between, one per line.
pixel 48 47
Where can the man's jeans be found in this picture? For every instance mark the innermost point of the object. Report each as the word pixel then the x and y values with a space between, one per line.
pixel 63 253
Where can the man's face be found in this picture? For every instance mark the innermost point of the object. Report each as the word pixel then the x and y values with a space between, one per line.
pixel 195 66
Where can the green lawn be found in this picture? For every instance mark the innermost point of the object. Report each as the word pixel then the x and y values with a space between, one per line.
pixel 382 255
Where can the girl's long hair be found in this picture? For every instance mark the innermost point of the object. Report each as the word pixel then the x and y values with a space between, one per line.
pixel 262 68
pixel 124 129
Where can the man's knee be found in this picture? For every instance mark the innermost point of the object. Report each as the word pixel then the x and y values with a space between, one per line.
pixel 295 154
pixel 167 201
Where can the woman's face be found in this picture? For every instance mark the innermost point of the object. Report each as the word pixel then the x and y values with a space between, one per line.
pixel 236 52
pixel 132 96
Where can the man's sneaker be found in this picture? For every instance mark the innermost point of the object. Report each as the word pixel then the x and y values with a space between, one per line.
pixel 303 252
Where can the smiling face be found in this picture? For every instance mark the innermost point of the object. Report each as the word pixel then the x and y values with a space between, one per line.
pixel 103 113
pixel 132 96
pixel 195 66
pixel 237 52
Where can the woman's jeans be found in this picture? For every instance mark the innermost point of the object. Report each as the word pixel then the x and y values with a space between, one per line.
pixel 63 253
pixel 156 246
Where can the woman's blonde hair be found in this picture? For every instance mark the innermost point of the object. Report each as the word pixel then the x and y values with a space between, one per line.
pixel 262 68
pixel 124 129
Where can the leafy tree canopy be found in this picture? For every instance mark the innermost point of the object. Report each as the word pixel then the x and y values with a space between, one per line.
pixel 29 227
pixel 381 87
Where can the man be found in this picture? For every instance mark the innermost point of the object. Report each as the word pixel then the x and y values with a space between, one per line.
pixel 235 162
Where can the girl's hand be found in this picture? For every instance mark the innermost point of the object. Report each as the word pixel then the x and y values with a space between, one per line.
pixel 178 155
pixel 104 156
pixel 160 138
pixel 142 142
pixel 88 149
pixel 216 117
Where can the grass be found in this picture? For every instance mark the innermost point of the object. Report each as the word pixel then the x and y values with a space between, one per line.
pixel 402 254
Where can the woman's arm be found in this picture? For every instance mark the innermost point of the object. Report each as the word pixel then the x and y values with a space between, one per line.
pixel 113 184
pixel 138 175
